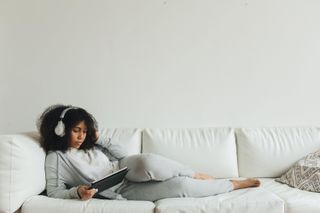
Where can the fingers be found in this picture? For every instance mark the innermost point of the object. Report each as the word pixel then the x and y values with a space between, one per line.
pixel 202 176
pixel 96 135
pixel 86 193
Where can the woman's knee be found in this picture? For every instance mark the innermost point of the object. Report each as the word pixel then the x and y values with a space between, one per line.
pixel 141 167
pixel 134 160
pixel 146 161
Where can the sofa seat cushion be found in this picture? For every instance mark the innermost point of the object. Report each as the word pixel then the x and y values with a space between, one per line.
pixel 296 200
pixel 250 200
pixel 40 204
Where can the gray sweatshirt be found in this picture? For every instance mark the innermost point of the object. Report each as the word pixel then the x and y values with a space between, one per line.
pixel 65 171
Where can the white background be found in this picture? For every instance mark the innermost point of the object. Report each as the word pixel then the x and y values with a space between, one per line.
pixel 152 63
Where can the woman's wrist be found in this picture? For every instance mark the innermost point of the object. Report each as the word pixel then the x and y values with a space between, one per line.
pixel 79 193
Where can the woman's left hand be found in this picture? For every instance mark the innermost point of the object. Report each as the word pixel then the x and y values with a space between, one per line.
pixel 202 176
pixel 97 134
pixel 85 192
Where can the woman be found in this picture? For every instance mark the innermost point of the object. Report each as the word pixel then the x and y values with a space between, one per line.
pixel 77 156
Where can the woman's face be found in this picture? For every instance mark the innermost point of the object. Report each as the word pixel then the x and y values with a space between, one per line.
pixel 78 135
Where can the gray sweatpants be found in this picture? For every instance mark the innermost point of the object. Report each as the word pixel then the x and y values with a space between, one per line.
pixel 147 166
pixel 153 177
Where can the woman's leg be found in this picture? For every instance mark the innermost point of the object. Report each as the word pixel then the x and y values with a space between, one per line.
pixel 240 184
pixel 146 167
pixel 175 187
pixel 182 187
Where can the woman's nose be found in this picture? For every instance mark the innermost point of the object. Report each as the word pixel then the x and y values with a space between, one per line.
pixel 80 135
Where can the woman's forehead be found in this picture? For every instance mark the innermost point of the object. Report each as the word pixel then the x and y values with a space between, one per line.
pixel 81 124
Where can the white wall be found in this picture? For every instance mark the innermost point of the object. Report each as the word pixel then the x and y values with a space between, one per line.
pixel 169 63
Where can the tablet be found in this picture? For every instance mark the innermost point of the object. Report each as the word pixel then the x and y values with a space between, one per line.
pixel 110 180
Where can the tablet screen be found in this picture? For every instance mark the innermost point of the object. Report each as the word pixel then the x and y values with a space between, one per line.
pixel 110 180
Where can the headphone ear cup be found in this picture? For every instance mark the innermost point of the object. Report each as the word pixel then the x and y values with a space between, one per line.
pixel 59 130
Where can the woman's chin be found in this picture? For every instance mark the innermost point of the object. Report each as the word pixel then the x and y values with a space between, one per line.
pixel 76 146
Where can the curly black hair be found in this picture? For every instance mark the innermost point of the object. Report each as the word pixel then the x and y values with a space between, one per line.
pixel 48 120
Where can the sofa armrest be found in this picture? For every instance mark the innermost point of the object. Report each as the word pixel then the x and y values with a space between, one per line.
pixel 21 169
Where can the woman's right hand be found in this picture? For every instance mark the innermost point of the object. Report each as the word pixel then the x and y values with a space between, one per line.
pixel 97 135
pixel 85 193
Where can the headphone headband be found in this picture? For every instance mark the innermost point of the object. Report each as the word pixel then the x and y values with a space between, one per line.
pixel 65 111
pixel 60 128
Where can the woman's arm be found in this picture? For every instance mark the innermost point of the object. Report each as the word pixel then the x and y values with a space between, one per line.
pixel 55 186
pixel 115 150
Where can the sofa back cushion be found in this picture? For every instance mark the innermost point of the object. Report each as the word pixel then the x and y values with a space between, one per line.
pixel 207 150
pixel 269 152
pixel 21 169
pixel 128 138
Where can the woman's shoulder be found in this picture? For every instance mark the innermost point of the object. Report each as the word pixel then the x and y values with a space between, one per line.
pixel 54 155
pixel 56 152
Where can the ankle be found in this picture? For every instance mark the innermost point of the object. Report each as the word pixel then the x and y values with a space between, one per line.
pixel 235 184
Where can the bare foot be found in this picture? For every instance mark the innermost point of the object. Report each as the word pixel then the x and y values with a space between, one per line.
pixel 202 176
pixel 240 184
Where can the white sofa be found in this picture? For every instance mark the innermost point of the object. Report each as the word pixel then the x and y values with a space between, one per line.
pixel 265 153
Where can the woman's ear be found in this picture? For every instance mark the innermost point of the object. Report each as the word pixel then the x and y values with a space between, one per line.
pixel 60 129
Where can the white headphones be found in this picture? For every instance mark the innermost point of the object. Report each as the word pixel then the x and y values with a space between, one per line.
pixel 60 128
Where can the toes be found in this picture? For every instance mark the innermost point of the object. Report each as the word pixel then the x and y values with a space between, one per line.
pixel 257 183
